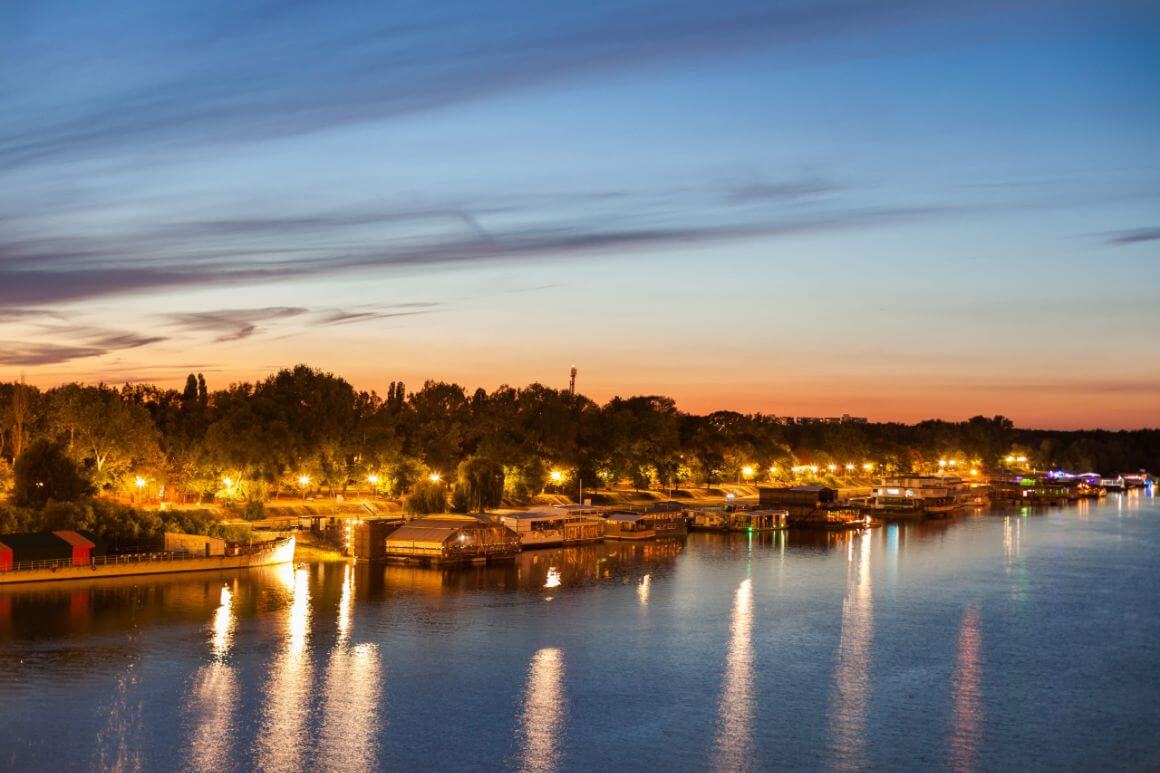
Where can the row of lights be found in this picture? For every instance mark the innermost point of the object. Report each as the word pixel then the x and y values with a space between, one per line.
pixel 748 471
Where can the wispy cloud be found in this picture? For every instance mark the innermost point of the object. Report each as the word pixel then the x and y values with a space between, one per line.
pixel 231 324
pixel 94 344
pixel 264 70
pixel 1135 237
pixel 53 270
pixel 352 316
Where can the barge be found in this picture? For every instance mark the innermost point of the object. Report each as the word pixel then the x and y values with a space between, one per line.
pixel 84 566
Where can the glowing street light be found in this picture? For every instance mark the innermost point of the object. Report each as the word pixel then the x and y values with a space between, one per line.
pixel 227 481
pixel 773 470
pixel 434 477
pixel 953 463
pixel 1010 459
pixel 868 466
pixel 831 467
pixel 974 471
pixel 942 462
pixel 747 471
pixel 303 480
pixel 373 479
pixel 849 467
pixel 556 476
pixel 139 482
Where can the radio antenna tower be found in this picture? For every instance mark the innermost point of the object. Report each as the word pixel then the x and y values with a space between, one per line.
pixel 572 382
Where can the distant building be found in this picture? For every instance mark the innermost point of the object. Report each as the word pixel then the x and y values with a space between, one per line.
pixel 845 418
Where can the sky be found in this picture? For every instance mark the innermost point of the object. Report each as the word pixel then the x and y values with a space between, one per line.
pixel 892 208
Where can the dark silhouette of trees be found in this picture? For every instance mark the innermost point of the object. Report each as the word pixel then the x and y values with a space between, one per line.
pixel 247 442
pixel 44 473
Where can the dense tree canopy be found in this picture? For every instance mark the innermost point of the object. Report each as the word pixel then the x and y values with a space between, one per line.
pixel 302 430
pixel 43 473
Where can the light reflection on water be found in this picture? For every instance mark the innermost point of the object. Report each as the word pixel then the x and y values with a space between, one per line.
pixel 281 737
pixel 850 695
pixel 967 723
pixel 212 703
pixel 350 713
pixel 736 708
pixel 542 719
pixel 947 649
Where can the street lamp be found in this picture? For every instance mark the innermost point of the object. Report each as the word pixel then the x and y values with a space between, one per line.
pixel 747 472
pixel 139 482
pixel 303 480
pixel 227 481
pixel 434 477
pixel 556 476
pixel 373 480
pixel 868 466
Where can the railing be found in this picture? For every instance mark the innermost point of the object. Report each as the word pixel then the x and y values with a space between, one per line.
pixel 121 559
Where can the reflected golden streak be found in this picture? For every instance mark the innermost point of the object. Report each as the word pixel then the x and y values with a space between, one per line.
pixel 346 604
pixel 542 721
pixel 734 742
pixel 643 588
pixel 213 700
pixel 968 695
pixel 350 712
pixel 223 625
pixel 848 701
pixel 280 743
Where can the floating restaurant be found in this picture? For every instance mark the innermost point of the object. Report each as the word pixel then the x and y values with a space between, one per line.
pixel 554 526
pixel 1032 490
pixel 726 519
pixel 451 539
pixel 811 507
pixel 916 496
pixel 626 525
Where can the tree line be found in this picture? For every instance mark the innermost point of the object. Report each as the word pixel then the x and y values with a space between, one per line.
pixel 302 431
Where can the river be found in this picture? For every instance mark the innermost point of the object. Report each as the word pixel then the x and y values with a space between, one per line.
pixel 988 641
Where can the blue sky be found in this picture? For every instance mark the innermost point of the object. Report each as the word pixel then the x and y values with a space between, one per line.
pixel 896 209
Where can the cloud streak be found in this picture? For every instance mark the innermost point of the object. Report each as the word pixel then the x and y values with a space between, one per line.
pixel 1135 237
pixel 98 343
pixel 259 70
pixel 231 324
pixel 51 271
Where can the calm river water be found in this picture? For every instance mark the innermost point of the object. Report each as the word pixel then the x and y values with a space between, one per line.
pixel 985 642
